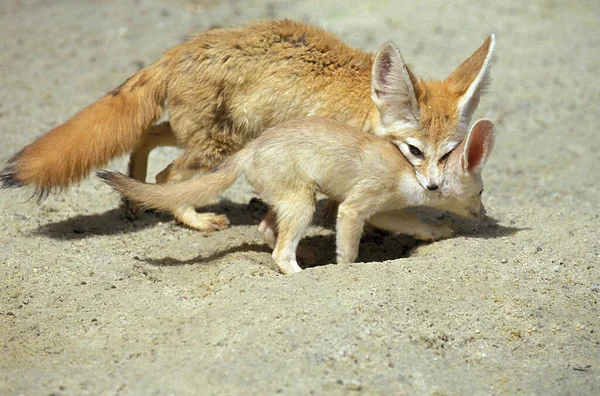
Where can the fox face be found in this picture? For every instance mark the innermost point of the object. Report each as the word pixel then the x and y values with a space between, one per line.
pixel 427 120
pixel 462 189
pixel 428 158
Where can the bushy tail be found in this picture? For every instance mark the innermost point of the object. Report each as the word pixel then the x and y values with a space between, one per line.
pixel 103 130
pixel 170 197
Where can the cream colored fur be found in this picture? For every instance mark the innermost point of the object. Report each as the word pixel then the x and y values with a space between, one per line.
pixel 223 87
pixel 289 163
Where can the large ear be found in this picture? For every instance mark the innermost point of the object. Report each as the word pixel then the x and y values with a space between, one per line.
pixel 470 79
pixel 393 87
pixel 478 146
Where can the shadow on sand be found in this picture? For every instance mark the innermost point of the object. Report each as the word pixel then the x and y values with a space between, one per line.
pixel 118 221
pixel 376 245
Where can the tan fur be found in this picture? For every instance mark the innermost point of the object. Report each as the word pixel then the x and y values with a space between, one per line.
pixel 438 117
pixel 107 128
pixel 461 79
pixel 221 89
pixel 444 111
pixel 289 163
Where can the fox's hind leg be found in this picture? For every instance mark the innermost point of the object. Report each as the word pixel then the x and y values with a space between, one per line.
pixel 330 212
pixel 202 114
pixel 268 229
pixel 156 136
pixel 293 218
pixel 184 168
pixel 181 169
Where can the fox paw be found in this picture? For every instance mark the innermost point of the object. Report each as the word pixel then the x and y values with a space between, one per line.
pixel 202 221
pixel 437 232
pixel 289 268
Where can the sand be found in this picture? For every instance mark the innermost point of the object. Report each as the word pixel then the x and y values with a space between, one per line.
pixel 93 303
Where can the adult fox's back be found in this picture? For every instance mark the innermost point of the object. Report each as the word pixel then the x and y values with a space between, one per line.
pixel 233 83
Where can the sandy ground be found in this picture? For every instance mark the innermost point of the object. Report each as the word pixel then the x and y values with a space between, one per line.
pixel 92 303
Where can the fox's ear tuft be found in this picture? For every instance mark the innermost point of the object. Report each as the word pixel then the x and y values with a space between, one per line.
pixel 471 78
pixel 478 146
pixel 393 87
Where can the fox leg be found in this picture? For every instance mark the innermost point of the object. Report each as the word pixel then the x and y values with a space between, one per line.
pixel 268 229
pixel 206 221
pixel 330 212
pixel 410 224
pixel 293 218
pixel 349 228
pixel 184 168
pixel 156 136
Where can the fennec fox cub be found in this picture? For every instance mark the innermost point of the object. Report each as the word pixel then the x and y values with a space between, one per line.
pixel 368 175
pixel 225 86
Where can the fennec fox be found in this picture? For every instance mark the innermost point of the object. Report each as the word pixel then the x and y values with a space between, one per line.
pixel 368 175
pixel 225 86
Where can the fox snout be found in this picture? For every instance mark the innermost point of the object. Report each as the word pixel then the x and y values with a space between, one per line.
pixel 478 214
pixel 430 178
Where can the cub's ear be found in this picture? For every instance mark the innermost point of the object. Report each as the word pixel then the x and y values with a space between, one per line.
pixel 393 87
pixel 478 146
pixel 470 79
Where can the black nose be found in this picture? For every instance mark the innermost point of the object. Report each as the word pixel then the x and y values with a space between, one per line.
pixel 432 187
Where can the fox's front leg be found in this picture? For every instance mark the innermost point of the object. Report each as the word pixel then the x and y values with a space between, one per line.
pixel 410 224
pixel 349 227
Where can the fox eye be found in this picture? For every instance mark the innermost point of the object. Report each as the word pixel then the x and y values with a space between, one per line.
pixel 445 157
pixel 415 151
pixel 481 192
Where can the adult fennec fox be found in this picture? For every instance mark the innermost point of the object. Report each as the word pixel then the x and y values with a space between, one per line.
pixel 368 175
pixel 223 87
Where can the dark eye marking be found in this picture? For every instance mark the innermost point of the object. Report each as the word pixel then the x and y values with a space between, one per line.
pixel 415 151
pixel 446 156
pixel 481 192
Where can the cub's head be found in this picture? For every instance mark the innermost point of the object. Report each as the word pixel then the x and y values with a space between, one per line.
pixel 462 188
pixel 427 120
